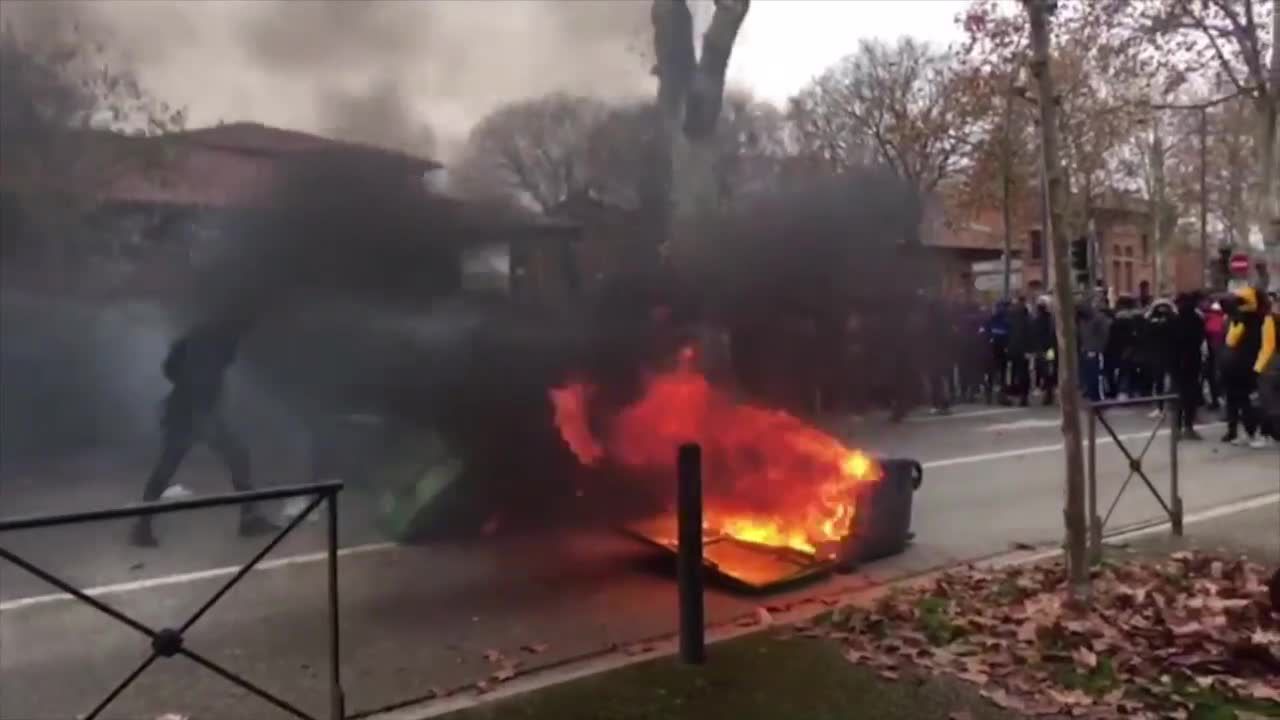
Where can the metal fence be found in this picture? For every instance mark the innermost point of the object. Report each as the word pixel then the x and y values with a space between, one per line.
pixel 169 642
pixel 1170 409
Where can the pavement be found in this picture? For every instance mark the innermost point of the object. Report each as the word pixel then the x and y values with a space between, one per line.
pixel 418 618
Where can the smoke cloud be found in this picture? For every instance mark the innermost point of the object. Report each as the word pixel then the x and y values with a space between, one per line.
pixel 386 71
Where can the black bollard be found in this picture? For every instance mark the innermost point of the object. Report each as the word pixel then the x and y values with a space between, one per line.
pixel 693 648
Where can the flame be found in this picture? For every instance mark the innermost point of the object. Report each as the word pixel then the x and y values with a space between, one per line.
pixel 769 477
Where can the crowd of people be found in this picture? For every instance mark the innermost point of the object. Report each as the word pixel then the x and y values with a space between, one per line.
pixel 1215 352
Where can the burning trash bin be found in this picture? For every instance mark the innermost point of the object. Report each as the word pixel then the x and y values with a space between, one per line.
pixel 783 498
pixel 881 528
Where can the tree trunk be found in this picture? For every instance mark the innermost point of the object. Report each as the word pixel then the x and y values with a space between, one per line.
pixel 1006 191
pixel 1270 193
pixel 1157 202
pixel 690 94
pixel 1068 359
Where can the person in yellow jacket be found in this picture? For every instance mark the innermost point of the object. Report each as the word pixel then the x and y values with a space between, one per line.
pixel 1251 342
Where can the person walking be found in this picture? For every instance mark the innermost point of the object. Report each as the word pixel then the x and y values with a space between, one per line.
pixel 1250 345
pixel 196 367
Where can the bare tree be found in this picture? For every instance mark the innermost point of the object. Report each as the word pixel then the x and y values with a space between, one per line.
pixel 902 101
pixel 67 122
pixel 690 95
pixel 1038 12
pixel 535 149
pixel 1231 37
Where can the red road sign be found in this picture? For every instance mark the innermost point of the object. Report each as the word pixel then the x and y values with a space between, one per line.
pixel 1239 263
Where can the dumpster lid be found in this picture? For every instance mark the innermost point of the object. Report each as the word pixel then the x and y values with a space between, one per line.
pixel 746 566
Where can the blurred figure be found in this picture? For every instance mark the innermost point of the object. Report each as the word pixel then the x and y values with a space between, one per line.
pixel 1187 338
pixel 1156 348
pixel 1215 331
pixel 1119 356
pixel 1093 331
pixel 996 333
pixel 1019 352
pixel 1250 344
pixel 940 365
pixel 1045 349
pixel 196 366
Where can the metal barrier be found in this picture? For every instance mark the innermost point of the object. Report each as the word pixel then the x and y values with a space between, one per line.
pixel 1173 508
pixel 168 642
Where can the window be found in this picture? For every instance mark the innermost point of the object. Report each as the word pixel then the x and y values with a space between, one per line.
pixel 1115 275
pixel 1146 245
pixel 1037 245
pixel 1128 275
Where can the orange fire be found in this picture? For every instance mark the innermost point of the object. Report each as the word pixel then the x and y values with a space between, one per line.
pixel 769 477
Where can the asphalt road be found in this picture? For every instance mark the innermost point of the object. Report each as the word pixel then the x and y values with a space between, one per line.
pixel 422 617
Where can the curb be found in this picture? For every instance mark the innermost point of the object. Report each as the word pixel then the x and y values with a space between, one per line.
pixel 802 609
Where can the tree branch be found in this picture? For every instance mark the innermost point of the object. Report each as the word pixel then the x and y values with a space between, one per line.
pixel 706 93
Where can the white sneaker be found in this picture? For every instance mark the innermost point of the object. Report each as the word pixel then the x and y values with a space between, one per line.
pixel 175 492
pixel 293 507
pixel 1155 413
pixel 1241 441
pixel 1260 442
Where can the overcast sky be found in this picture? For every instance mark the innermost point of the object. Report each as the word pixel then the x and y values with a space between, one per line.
pixel 784 43
pixel 389 70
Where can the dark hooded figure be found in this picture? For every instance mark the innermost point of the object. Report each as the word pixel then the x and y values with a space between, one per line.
pixel 196 366
pixel 1186 366
pixel 1020 349
pixel 1045 348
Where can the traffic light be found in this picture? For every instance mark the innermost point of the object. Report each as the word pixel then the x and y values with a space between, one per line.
pixel 1080 261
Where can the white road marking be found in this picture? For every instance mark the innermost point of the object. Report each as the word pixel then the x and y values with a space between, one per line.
pixel 1121 535
pixel 1023 424
pixel 959 415
pixel 196 576
pixel 1036 450
pixel 199 575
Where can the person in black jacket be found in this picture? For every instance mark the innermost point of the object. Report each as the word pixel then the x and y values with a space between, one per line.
pixel 1186 365
pixel 1019 351
pixel 1045 349
pixel 196 366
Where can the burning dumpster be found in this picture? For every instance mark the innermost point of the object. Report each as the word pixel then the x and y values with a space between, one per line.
pixel 883 529
pixel 783 499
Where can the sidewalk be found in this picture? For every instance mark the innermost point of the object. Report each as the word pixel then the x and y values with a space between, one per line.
pixel 787 672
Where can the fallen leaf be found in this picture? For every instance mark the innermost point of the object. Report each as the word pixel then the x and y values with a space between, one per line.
pixel 1085 658
pixel 1070 697
pixel 493 656
pixel 960 715
pixel 504 674
pixel 888 674
pixel 172 716
pixel 1004 700
pixel 979 679
pixel 763 616
pixel 536 648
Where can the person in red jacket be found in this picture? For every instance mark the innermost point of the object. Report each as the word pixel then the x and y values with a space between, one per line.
pixel 1215 331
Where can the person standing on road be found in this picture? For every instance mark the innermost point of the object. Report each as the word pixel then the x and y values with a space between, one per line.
pixel 1045 349
pixel 1158 349
pixel 1094 328
pixel 1020 349
pixel 196 366
pixel 1215 331
pixel 996 333
pixel 1250 344
pixel 1187 337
